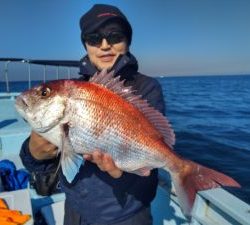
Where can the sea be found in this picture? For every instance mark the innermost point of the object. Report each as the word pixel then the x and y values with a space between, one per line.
pixel 211 119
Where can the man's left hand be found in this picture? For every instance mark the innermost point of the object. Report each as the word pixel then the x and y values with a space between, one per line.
pixel 104 162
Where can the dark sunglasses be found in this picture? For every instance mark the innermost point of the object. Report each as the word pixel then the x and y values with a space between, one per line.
pixel 113 37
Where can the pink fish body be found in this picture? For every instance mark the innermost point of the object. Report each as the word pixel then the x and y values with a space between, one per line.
pixel 80 117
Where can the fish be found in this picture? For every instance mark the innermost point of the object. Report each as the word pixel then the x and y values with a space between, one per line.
pixel 102 113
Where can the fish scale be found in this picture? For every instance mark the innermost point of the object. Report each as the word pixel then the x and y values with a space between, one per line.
pixel 127 151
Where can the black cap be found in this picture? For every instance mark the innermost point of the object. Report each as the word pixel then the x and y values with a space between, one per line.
pixel 100 14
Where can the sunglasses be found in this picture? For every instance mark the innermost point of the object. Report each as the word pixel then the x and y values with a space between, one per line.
pixel 113 37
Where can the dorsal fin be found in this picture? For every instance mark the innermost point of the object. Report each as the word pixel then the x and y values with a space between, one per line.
pixel 155 117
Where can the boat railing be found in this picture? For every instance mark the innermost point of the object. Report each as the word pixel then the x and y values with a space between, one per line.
pixel 68 64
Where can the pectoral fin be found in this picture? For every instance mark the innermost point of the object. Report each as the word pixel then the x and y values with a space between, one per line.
pixel 70 161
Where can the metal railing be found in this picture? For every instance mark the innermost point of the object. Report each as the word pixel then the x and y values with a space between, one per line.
pixel 45 63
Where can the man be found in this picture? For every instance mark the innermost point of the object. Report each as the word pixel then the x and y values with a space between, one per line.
pixel 101 193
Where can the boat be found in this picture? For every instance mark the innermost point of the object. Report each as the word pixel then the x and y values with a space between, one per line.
pixel 214 206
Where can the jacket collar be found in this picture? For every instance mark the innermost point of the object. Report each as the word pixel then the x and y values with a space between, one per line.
pixel 126 66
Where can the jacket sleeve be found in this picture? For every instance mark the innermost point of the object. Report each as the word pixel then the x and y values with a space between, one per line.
pixel 34 165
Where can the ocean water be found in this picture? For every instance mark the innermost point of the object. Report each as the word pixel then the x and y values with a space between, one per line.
pixel 211 119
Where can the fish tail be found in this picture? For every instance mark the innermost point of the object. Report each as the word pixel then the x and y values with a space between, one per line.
pixel 193 178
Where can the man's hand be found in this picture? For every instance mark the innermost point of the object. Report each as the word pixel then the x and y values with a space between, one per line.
pixel 40 148
pixel 104 162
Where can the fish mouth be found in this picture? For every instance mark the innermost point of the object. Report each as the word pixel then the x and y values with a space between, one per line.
pixel 21 103
pixel 21 107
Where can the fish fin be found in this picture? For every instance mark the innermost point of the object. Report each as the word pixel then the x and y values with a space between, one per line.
pixel 71 166
pixel 194 178
pixel 70 161
pixel 144 172
pixel 156 118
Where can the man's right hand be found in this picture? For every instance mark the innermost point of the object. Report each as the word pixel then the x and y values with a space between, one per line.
pixel 40 148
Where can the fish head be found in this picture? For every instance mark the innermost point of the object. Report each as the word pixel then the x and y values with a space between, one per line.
pixel 43 106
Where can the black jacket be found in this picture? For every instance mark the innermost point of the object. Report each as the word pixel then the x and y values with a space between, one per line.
pixel 95 195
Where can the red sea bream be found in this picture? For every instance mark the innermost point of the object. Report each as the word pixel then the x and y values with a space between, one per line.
pixel 80 117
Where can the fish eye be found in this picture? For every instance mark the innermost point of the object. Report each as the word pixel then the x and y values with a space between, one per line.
pixel 45 92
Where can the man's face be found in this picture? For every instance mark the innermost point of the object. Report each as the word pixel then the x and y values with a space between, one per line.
pixel 112 43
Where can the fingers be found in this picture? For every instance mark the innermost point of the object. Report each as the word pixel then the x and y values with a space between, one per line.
pixel 104 162
pixel 35 135
pixel 98 158
pixel 50 150
pixel 110 167
pixel 40 148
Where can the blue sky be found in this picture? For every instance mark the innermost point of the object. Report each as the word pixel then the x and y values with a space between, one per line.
pixel 171 37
